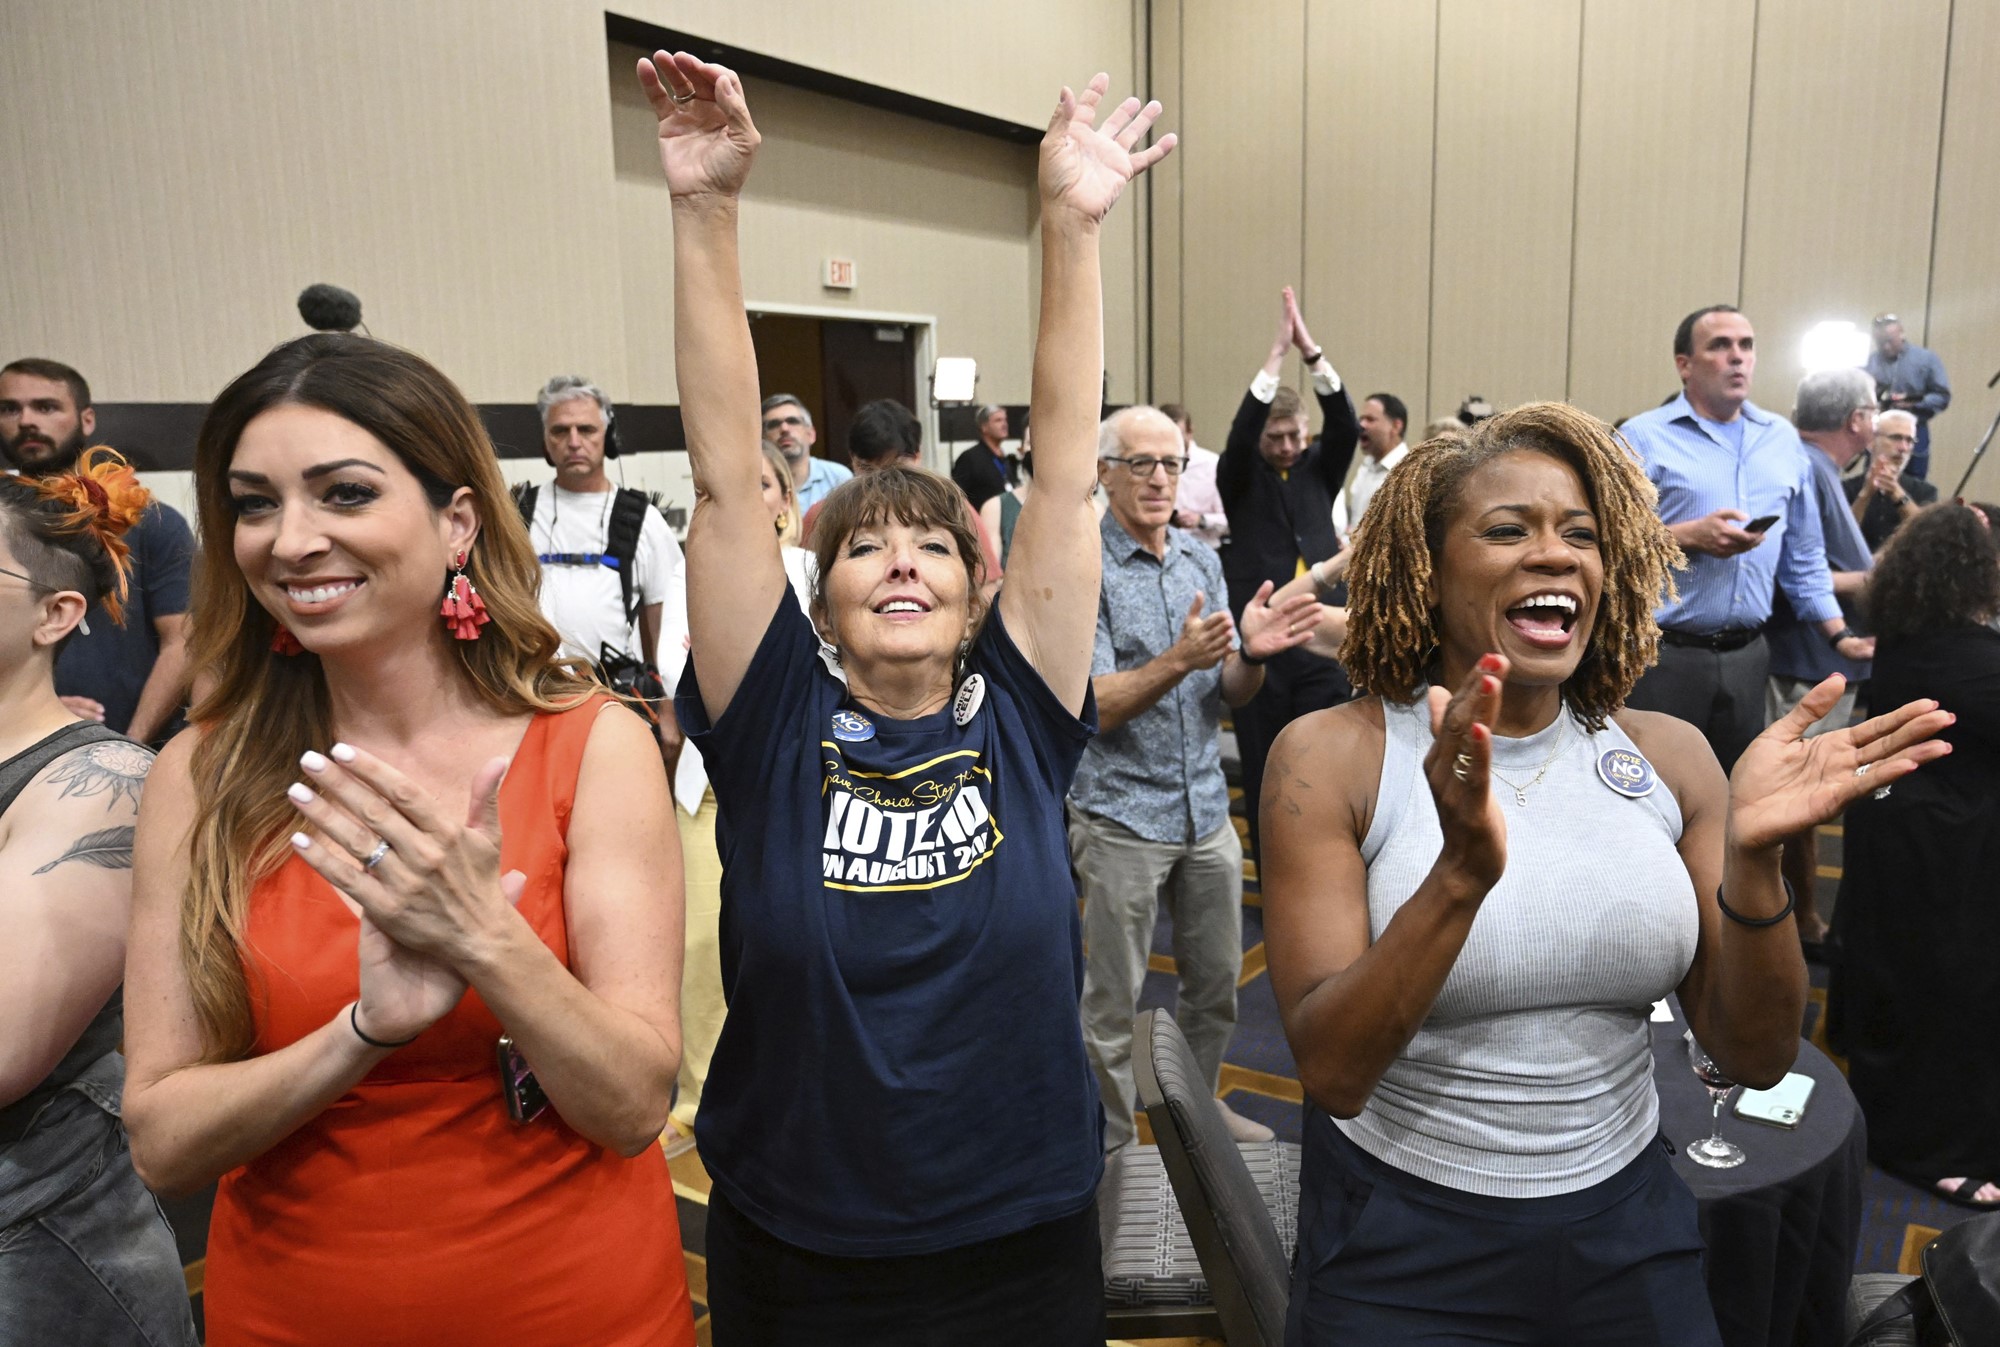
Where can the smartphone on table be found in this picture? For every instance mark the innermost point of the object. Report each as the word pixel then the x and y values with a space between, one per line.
pixel 1783 1105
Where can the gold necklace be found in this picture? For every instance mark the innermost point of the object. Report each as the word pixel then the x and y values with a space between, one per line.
pixel 1521 791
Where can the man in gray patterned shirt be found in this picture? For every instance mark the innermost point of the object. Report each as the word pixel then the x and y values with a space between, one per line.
pixel 1149 812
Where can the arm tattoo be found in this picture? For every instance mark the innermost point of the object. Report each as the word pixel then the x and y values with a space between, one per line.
pixel 118 769
pixel 110 849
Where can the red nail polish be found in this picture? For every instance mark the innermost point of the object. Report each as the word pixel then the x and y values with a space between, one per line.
pixel 1490 662
pixel 1480 734
pixel 1489 685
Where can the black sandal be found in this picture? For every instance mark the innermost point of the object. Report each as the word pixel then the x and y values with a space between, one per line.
pixel 1962 1194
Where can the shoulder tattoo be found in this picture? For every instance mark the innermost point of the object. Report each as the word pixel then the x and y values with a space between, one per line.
pixel 114 769
pixel 109 849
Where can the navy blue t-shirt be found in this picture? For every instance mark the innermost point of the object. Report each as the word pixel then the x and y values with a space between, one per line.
pixel 902 1069
pixel 111 664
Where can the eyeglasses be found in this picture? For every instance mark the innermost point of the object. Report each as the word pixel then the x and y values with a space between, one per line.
pixel 784 422
pixel 1143 468
pixel 30 580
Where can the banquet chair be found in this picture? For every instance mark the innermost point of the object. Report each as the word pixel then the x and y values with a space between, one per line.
pixel 1239 1201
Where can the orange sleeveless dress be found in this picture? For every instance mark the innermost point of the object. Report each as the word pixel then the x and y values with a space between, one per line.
pixel 413 1210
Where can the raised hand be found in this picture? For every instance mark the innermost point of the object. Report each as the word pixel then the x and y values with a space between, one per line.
pixel 1204 641
pixel 1085 168
pixel 1458 768
pixel 1281 342
pixel 1267 631
pixel 1785 783
pixel 1301 338
pixel 707 139
pixel 431 897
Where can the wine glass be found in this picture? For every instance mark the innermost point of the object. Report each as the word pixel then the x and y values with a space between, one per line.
pixel 1712 1150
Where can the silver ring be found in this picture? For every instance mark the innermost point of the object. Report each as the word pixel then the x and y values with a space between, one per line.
pixel 1459 766
pixel 681 99
pixel 375 856
pixel 1862 770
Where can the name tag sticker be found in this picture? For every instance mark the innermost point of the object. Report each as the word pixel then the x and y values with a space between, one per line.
pixel 851 727
pixel 1627 773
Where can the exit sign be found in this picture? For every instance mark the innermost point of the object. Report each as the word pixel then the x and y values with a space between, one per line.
pixel 839 274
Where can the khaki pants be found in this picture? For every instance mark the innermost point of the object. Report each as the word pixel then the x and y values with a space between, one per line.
pixel 701 970
pixel 1124 877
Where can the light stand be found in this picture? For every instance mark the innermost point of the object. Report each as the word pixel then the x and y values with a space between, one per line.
pixel 954 382
pixel 1980 452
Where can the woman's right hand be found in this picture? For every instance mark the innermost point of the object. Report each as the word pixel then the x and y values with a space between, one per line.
pixel 403 992
pixel 1458 768
pixel 707 139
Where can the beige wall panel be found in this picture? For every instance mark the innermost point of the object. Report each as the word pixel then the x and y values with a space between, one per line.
pixel 1163 186
pixel 1663 131
pixel 1843 160
pixel 1371 68
pixel 449 167
pixel 1005 60
pixel 936 222
pixel 1506 164
pixel 1240 196
pixel 1965 276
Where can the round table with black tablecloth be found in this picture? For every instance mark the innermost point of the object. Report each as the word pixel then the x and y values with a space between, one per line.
pixel 1782 1227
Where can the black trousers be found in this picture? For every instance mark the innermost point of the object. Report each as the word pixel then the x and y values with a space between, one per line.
pixel 1390 1260
pixel 1042 1285
pixel 1294 683
pixel 1719 693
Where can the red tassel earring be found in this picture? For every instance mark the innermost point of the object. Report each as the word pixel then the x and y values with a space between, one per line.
pixel 463 610
pixel 284 643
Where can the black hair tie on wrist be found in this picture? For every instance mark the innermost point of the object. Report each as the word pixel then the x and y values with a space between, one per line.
pixel 354 1023
pixel 1791 901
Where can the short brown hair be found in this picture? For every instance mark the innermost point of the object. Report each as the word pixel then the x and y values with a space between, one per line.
pixel 1285 404
pixel 54 370
pixel 1392 626
pixel 916 497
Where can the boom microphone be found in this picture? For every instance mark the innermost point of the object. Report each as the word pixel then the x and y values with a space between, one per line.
pixel 328 308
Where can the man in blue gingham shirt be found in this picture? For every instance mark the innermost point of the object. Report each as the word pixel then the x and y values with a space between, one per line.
pixel 1720 462
pixel 1149 811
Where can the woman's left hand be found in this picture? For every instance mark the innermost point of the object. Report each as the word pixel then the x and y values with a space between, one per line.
pixel 437 889
pixel 1084 169
pixel 1785 783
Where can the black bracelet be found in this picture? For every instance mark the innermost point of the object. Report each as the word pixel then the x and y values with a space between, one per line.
pixel 1243 653
pixel 1844 634
pixel 354 1023
pixel 1791 901
pixel 1313 357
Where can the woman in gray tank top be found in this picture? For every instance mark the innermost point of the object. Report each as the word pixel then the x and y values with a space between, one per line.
pixel 1476 883
pixel 85 1255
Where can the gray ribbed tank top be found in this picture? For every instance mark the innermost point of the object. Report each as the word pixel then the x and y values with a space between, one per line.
pixel 1533 1074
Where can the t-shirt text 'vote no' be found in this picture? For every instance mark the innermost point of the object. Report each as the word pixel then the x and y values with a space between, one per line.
pixel 920 828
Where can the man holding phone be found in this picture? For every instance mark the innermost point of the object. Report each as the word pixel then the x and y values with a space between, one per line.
pixel 1724 466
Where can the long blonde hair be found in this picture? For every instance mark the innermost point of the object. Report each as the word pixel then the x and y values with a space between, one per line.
pixel 266 709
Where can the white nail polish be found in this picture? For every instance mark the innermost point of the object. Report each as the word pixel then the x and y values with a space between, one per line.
pixel 301 841
pixel 299 794
pixel 343 753
pixel 312 761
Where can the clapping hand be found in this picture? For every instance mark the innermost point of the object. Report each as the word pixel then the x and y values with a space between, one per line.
pixel 1458 768
pixel 706 136
pixel 433 894
pixel 1204 641
pixel 1084 168
pixel 1786 783
pixel 1268 631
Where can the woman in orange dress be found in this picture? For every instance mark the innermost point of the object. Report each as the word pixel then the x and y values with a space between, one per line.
pixel 398 831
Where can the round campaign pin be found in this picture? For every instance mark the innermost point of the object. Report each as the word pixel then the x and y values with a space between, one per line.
pixel 851 727
pixel 971 694
pixel 1626 772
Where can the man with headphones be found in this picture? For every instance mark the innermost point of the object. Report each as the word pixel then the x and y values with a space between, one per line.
pixel 610 565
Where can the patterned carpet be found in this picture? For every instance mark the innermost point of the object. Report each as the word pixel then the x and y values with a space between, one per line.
pixel 1259 1080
